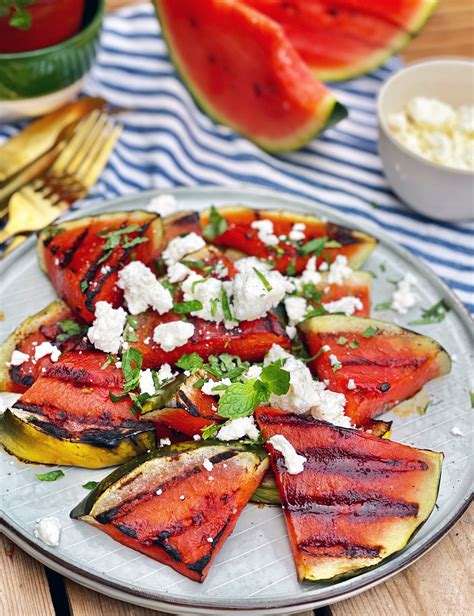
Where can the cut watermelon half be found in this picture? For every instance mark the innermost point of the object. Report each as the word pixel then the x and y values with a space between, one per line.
pixel 243 72
pixel 359 498
pixel 386 363
pixel 340 39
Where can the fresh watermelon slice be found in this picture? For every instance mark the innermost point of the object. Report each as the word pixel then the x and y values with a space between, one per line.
pixel 68 417
pixel 355 245
pixel 387 363
pixel 340 39
pixel 82 257
pixel 250 341
pixel 359 498
pixel 164 504
pixel 243 71
pixel 55 324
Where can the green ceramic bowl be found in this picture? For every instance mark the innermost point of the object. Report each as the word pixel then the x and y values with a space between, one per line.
pixel 42 72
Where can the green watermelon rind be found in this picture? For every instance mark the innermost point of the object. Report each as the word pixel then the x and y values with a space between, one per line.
pixel 329 111
pixel 377 59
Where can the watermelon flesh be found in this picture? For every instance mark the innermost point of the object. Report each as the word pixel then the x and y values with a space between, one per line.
pixel 359 498
pixel 389 364
pixel 340 39
pixel 244 72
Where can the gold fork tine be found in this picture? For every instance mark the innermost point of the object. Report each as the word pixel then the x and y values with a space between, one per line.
pixel 89 142
pixel 95 162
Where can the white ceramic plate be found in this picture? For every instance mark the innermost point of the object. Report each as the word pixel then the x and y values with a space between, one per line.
pixel 254 572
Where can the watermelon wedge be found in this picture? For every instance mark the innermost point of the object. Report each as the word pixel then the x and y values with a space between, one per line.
pixel 240 235
pixel 243 72
pixel 340 39
pixel 386 363
pixel 165 505
pixel 55 324
pixel 68 417
pixel 82 257
pixel 358 499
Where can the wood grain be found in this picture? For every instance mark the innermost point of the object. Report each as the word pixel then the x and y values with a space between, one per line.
pixel 24 589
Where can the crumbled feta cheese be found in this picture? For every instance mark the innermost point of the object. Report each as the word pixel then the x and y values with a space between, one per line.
pixel 455 431
pixel 146 384
pixel 325 348
pixel 251 299
pixel 309 275
pixel 398 122
pixel 339 270
pixel 163 205
pixel 246 265
pixel 181 246
pixel 297 232
pixel 165 374
pixel 170 336
pixel 221 270
pixel 208 292
pixel 430 112
pixel 351 384
pixel 182 497
pixel 142 289
pixel 177 272
pixel 324 266
pixel 209 386
pixel 293 461
pixel 210 539
pixel 48 530
pixel 254 372
pixel 403 298
pixel 296 309
pixel 291 331
pixel 105 269
pixel 197 437
pixel 465 119
pixel 18 358
pixel 208 465
pixel 334 360
pixel 265 232
pixel 105 332
pixel 159 492
pixel 348 305
pixel 238 428
pixel 164 442
pixel 46 348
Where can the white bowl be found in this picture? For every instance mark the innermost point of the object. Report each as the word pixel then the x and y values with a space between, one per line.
pixel 439 192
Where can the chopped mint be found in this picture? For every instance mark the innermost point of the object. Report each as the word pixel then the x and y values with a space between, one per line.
pixel 435 314
pixel 90 485
pixel 50 476
pixel 369 332
pixel 216 226
pixel 264 281
pixel 191 362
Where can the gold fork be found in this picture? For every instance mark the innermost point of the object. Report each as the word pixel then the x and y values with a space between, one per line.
pixel 72 174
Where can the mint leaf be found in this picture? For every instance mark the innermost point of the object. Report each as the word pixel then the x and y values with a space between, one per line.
pixel 50 476
pixel 210 431
pixel 240 400
pixel 383 306
pixel 90 485
pixel 314 246
pixel 131 366
pixel 70 329
pixel 435 314
pixel 341 340
pixel 191 362
pixel 216 226
pixel 353 345
pixel 319 311
pixel 84 285
pixel 187 307
pixel 226 306
pixel 276 378
pixel 369 332
pixel 264 281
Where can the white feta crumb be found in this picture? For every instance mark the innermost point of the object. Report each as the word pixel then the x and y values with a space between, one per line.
pixel 46 348
pixel 197 437
pixel 165 374
pixel 246 265
pixel 325 348
pixel 48 530
pixel 146 384
pixel 334 360
pixel 293 461
pixel 164 442
pixel 210 539
pixel 238 428
pixel 251 299
pixel 105 269
pixel 324 266
pixel 253 372
pixel 348 305
pixel 208 465
pixel 178 272
pixel 430 112
pixel 209 386
pixel 170 336
pixel 351 384
pixel 455 431
pixel 125 346
pixel 210 478
pixel 208 292
pixel 181 246
pixel 147 340
pixel 105 332
pixel 163 205
pixel 454 358
pixel 265 232
pixel 465 119
pixel 159 492
pixel 18 358
pixel 297 232
pixel 296 309
pixel 403 298
pixel 142 289
pixel 182 497
pixel 291 331
pixel 339 270
pixel 221 270
pixel 309 275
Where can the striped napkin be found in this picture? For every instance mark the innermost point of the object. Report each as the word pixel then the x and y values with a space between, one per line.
pixel 168 141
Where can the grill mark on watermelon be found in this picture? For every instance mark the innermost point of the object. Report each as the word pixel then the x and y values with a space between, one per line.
pixel 187 220
pixel 200 564
pixel 332 546
pixel 70 375
pixel 173 552
pixel 343 235
pixel 389 362
pixel 19 378
pixel 223 456
pixel 69 254
pixel 189 406
pixel 126 530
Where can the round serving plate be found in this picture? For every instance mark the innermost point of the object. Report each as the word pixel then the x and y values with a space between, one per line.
pixel 254 572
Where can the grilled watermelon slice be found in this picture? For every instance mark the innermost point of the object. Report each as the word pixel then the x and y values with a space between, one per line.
pixel 340 39
pixel 355 245
pixel 387 363
pixel 67 416
pixel 164 504
pixel 250 341
pixel 180 223
pixel 56 324
pixel 359 498
pixel 243 72
pixel 82 257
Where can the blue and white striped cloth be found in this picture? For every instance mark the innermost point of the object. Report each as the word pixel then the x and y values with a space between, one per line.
pixel 168 141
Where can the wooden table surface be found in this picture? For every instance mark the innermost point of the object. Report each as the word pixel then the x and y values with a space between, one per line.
pixel 438 584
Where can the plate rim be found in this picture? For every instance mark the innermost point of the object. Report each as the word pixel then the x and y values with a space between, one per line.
pixel 333 594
